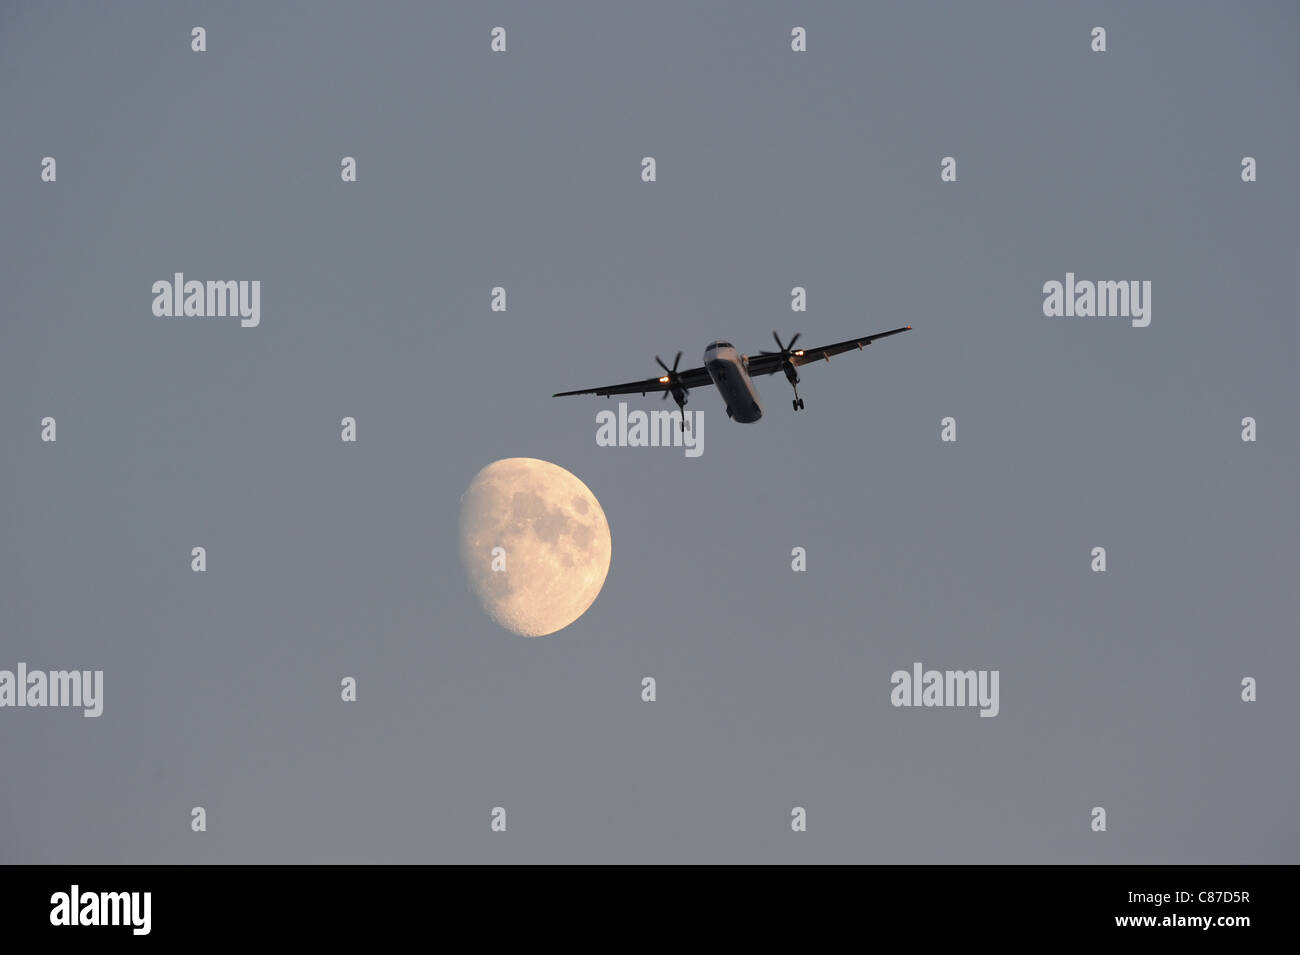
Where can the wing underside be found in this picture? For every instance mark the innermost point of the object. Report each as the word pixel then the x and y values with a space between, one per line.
pixel 690 378
pixel 769 363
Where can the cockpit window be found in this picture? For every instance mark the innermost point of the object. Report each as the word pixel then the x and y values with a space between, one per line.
pixel 721 345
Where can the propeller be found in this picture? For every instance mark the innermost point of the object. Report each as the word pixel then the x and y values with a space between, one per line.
pixel 673 383
pixel 671 379
pixel 787 353
pixel 785 350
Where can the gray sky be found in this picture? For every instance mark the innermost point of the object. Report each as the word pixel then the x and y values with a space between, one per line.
pixel 775 169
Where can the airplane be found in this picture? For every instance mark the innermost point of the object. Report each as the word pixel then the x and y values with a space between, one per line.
pixel 731 372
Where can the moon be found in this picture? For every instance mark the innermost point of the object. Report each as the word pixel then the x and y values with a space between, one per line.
pixel 553 540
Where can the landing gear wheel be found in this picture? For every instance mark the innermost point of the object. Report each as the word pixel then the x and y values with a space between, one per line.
pixel 795 404
pixel 801 404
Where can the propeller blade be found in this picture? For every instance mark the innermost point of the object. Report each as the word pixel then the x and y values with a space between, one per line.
pixel 793 340
pixel 675 361
pixel 780 347
pixel 662 365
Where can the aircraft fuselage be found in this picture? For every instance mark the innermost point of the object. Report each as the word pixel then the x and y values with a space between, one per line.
pixel 727 370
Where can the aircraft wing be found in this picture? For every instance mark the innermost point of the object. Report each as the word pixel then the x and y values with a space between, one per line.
pixel 690 378
pixel 770 363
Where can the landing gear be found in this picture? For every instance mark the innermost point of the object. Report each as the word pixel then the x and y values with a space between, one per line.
pixel 679 396
pixel 674 383
pixel 787 365
pixel 792 376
